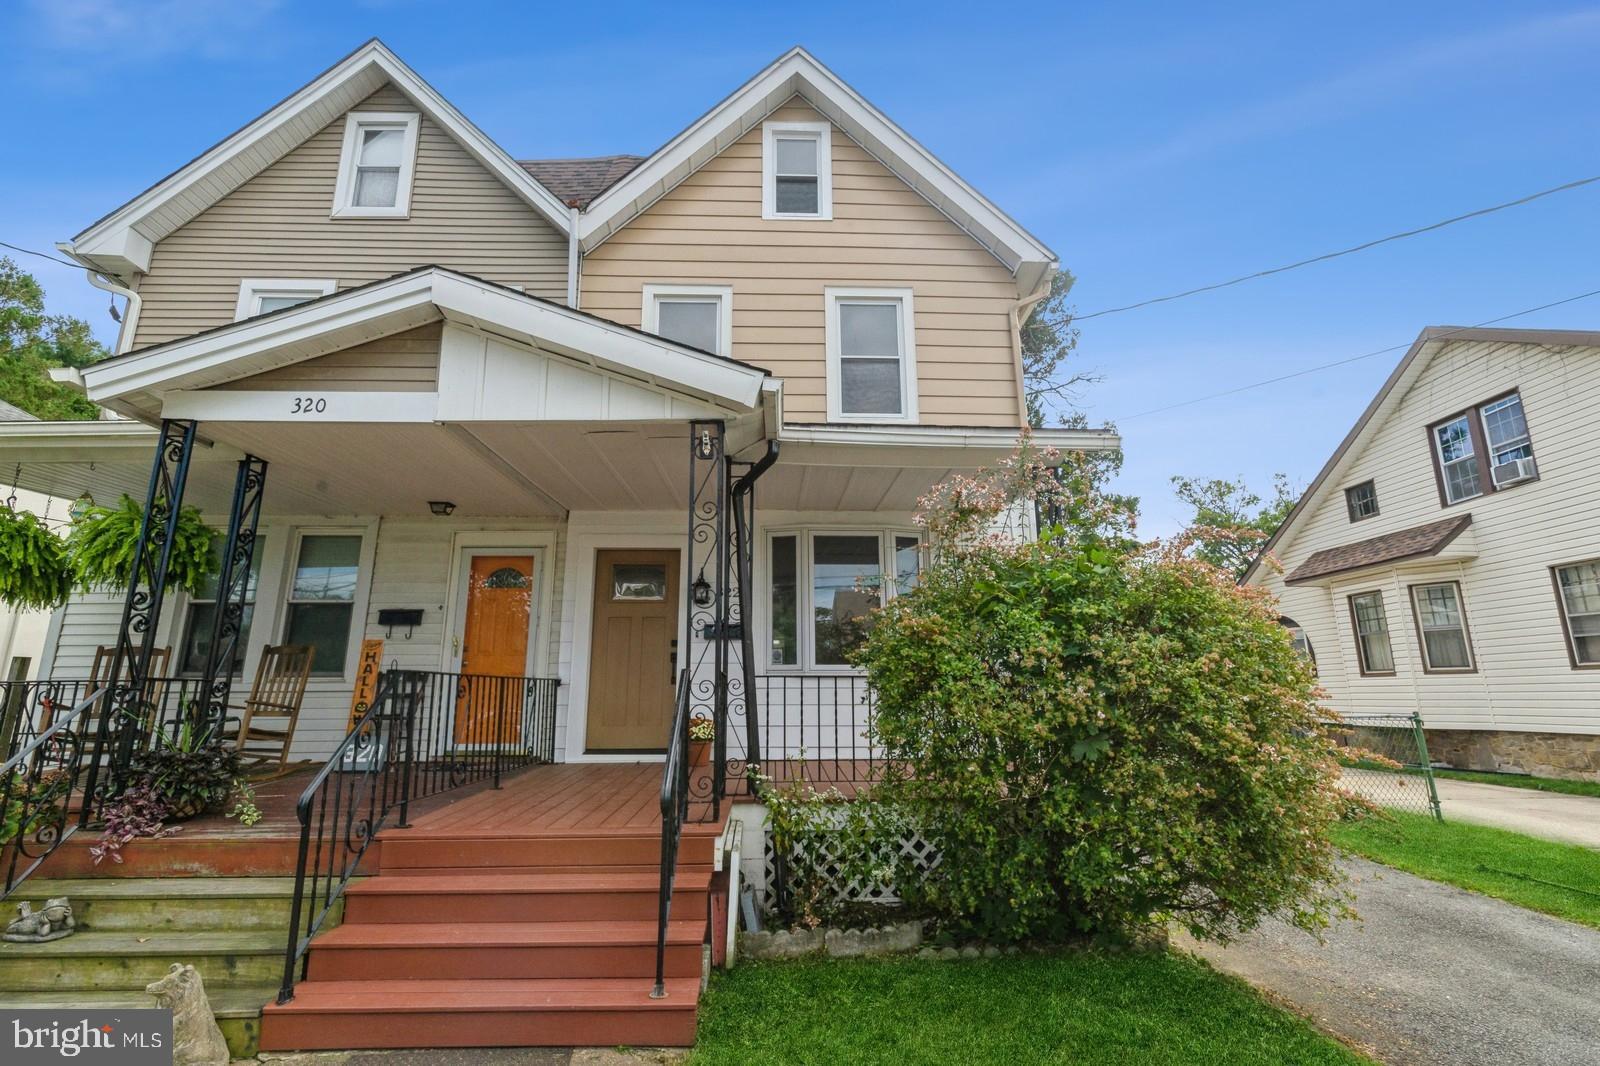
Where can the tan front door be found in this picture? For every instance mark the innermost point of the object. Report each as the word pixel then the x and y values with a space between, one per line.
pixel 494 645
pixel 633 649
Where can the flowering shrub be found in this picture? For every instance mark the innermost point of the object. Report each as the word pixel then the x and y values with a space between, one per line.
pixel 1099 734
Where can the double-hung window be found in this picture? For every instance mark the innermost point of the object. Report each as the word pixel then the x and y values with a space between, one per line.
pixel 322 596
pixel 700 316
pixel 796 171
pixel 1510 446
pixel 376 165
pixel 1483 450
pixel 1361 500
pixel 1442 627
pixel 1578 590
pixel 872 355
pixel 1458 459
pixel 825 586
pixel 262 296
pixel 200 615
pixel 1374 652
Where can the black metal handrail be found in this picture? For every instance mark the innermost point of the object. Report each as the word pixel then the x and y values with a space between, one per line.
pixel 38 783
pixel 674 808
pixel 426 732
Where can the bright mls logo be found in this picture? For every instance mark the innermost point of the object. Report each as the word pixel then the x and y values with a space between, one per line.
pixel 124 1037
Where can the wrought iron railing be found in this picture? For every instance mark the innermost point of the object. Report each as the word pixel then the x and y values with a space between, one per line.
pixel 818 728
pixel 42 802
pixel 426 732
pixel 674 809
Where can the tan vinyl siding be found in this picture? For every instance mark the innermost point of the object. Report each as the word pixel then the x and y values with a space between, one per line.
pixel 1524 679
pixel 710 230
pixel 403 362
pixel 277 225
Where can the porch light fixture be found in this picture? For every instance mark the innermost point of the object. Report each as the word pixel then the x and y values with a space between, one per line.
pixel 442 508
pixel 701 590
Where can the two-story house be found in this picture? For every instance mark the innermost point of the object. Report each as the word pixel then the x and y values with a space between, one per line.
pixel 1446 559
pixel 592 447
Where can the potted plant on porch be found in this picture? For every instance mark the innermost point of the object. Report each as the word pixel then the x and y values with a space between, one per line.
pixel 103 540
pixel 702 732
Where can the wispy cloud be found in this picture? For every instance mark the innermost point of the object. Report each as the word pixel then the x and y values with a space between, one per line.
pixel 157 29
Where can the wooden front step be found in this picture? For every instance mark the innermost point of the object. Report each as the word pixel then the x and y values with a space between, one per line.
pixel 586 896
pixel 482 1013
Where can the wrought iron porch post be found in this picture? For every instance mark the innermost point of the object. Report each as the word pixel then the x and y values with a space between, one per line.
pixel 129 675
pixel 233 590
pixel 706 622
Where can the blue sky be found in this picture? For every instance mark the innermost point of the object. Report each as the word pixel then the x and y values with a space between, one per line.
pixel 1153 146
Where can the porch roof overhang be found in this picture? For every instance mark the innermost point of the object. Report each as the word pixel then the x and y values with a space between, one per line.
pixel 1443 541
pixel 139 383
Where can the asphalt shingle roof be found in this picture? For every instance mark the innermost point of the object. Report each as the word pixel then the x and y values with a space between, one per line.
pixel 578 181
pixel 1411 543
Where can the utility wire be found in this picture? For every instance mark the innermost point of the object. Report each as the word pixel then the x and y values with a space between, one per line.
pixel 41 255
pixel 1354 358
pixel 1335 255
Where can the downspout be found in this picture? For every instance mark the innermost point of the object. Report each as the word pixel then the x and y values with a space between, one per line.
pixel 105 283
pixel 574 255
pixel 1019 315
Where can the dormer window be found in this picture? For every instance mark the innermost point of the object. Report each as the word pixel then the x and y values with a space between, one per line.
pixel 376 165
pixel 796 171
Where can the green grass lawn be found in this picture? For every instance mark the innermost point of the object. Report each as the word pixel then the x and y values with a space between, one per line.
pixel 1156 1009
pixel 1540 784
pixel 1542 875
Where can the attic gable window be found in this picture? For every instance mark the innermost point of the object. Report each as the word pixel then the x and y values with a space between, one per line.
pixel 262 296
pixel 376 165
pixel 796 171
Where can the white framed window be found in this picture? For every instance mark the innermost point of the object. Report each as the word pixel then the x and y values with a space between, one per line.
pixel 872 355
pixel 700 316
pixel 1578 591
pixel 376 165
pixel 320 608
pixel 262 296
pixel 1442 628
pixel 824 584
pixel 200 614
pixel 797 170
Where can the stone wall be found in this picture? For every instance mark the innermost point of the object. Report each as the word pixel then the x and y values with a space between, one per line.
pixel 1574 756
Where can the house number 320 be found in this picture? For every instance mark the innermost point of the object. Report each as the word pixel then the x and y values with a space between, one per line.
pixel 309 405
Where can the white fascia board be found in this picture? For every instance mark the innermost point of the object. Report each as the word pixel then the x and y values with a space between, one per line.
pixel 127 234
pixel 798 72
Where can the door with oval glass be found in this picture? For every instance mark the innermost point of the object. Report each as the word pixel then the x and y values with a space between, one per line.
pixel 494 648
pixel 633 650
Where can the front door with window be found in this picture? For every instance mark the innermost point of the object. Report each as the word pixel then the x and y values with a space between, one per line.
pixel 633 650
pixel 494 645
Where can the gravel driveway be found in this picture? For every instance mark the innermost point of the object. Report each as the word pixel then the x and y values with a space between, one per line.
pixel 1435 975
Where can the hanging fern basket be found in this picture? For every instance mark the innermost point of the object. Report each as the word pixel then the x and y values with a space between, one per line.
pixel 34 572
pixel 101 546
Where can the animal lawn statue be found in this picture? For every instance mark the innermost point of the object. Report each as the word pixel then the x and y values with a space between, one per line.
pixel 37 927
pixel 196 1040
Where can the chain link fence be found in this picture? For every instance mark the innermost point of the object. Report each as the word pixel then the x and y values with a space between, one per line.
pixel 1386 761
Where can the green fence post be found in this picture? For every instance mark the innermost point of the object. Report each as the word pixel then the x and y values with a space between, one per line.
pixel 1427 766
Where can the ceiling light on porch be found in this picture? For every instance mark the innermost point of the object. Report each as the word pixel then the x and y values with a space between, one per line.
pixel 442 508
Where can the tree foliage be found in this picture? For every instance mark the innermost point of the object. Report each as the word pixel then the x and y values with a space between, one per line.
pixel 1100 734
pixel 32 342
pixel 1048 341
pixel 1230 522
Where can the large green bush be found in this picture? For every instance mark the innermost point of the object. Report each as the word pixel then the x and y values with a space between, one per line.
pixel 1098 734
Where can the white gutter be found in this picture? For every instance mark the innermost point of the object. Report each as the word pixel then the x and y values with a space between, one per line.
pixel 130 315
pixel 574 257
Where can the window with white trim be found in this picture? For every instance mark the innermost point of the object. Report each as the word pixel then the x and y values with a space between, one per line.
pixel 872 355
pixel 376 165
pixel 322 597
pixel 796 170
pixel 200 614
pixel 262 296
pixel 700 316
pixel 1442 626
pixel 825 584
pixel 1578 587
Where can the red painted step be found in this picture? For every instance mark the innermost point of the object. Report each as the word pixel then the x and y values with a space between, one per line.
pixel 514 950
pixel 576 896
pixel 482 1013
pixel 407 850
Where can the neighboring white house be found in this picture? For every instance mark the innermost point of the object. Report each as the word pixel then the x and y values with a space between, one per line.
pixel 1446 560
pixel 22 633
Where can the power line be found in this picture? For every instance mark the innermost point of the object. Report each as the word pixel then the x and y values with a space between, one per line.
pixel 1354 358
pixel 1346 251
pixel 41 255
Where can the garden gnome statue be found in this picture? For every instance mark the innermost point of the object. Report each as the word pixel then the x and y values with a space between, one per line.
pixel 196 1040
pixel 36 927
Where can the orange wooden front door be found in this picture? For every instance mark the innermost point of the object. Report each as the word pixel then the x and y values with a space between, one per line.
pixel 494 645
pixel 633 650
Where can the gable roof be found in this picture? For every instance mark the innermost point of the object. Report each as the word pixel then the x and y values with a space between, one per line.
pixel 579 181
pixel 121 242
pixel 798 73
pixel 1429 343
pixel 11 413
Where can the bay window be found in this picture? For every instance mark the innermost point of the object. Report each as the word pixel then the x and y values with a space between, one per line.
pixel 824 586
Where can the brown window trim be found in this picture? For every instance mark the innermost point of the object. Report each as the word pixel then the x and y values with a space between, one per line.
pixel 1466 630
pixel 1349 505
pixel 1480 449
pixel 1355 631
pixel 1566 624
